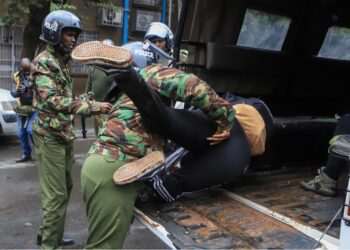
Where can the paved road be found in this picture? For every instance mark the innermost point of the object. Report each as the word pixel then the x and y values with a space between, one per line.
pixel 20 213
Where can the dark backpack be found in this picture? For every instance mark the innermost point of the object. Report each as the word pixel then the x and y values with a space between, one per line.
pixel 258 104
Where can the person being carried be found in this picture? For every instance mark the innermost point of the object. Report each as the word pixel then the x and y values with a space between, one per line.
pixel 53 130
pixel 26 114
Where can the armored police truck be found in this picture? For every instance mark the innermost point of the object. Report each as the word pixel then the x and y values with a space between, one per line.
pixel 294 55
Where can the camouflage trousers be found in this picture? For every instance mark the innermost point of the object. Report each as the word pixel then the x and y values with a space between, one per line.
pixel 55 161
pixel 109 207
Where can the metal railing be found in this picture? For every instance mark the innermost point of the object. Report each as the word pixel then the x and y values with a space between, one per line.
pixel 11 45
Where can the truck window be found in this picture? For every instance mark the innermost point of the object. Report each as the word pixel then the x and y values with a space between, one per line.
pixel 263 30
pixel 336 44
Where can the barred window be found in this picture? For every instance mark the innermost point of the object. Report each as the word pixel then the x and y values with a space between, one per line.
pixel 146 3
pixel 11 45
pixel 85 36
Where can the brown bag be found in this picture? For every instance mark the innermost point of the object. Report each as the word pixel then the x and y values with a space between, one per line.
pixel 253 126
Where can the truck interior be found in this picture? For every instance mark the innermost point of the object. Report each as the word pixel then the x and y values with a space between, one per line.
pixel 295 56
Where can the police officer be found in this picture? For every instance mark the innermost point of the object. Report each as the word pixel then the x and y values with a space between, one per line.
pixel 124 138
pixel 53 130
pixel 26 114
pixel 98 84
pixel 160 35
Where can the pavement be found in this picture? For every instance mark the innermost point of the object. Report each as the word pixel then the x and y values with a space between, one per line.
pixel 20 210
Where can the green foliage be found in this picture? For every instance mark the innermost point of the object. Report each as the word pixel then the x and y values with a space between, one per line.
pixel 34 11
pixel 17 10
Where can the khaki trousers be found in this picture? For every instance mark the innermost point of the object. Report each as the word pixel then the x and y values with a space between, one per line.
pixel 55 161
pixel 109 207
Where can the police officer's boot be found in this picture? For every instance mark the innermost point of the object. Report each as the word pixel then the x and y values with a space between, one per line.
pixel 322 184
pixel 66 241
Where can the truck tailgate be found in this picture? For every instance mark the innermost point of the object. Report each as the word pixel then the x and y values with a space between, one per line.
pixel 263 210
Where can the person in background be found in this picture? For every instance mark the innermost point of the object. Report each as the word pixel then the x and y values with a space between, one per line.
pixel 26 114
pixel 53 130
pixel 98 84
pixel 160 35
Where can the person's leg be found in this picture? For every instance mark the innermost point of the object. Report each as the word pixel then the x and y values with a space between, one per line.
pixel 69 162
pixel 220 163
pixel 23 135
pixel 31 118
pixel 54 193
pixel 334 164
pixel 38 146
pixel 325 183
pixel 109 207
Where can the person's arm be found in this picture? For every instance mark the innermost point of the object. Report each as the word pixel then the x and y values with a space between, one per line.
pixel 48 92
pixel 190 89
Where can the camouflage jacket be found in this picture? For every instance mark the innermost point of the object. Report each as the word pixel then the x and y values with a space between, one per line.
pixel 54 98
pixel 123 135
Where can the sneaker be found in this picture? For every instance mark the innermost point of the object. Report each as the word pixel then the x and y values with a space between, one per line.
pixel 322 184
pixel 105 56
pixel 137 169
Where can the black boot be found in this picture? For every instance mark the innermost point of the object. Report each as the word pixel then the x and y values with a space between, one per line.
pixel 24 158
pixel 66 241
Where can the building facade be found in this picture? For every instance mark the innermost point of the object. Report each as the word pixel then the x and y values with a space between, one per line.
pixel 98 24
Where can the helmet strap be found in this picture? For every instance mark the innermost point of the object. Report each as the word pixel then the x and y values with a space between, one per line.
pixel 62 49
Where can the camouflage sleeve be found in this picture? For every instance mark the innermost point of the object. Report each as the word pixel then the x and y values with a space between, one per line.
pixel 49 94
pixel 188 88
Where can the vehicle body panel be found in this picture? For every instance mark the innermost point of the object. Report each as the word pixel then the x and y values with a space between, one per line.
pixel 8 124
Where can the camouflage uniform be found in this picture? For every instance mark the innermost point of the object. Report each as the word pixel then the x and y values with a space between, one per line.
pixel 123 139
pixel 53 137
pixel 98 83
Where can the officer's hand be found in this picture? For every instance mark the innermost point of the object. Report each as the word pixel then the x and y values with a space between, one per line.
pixel 21 89
pixel 219 136
pixel 105 107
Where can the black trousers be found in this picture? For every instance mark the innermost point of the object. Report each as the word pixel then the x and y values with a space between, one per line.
pixel 206 165
pixel 334 164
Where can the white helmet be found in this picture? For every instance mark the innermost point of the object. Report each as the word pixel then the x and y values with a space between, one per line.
pixel 108 41
pixel 157 29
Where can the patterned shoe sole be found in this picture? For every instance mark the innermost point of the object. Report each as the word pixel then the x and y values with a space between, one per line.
pixel 98 53
pixel 135 170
